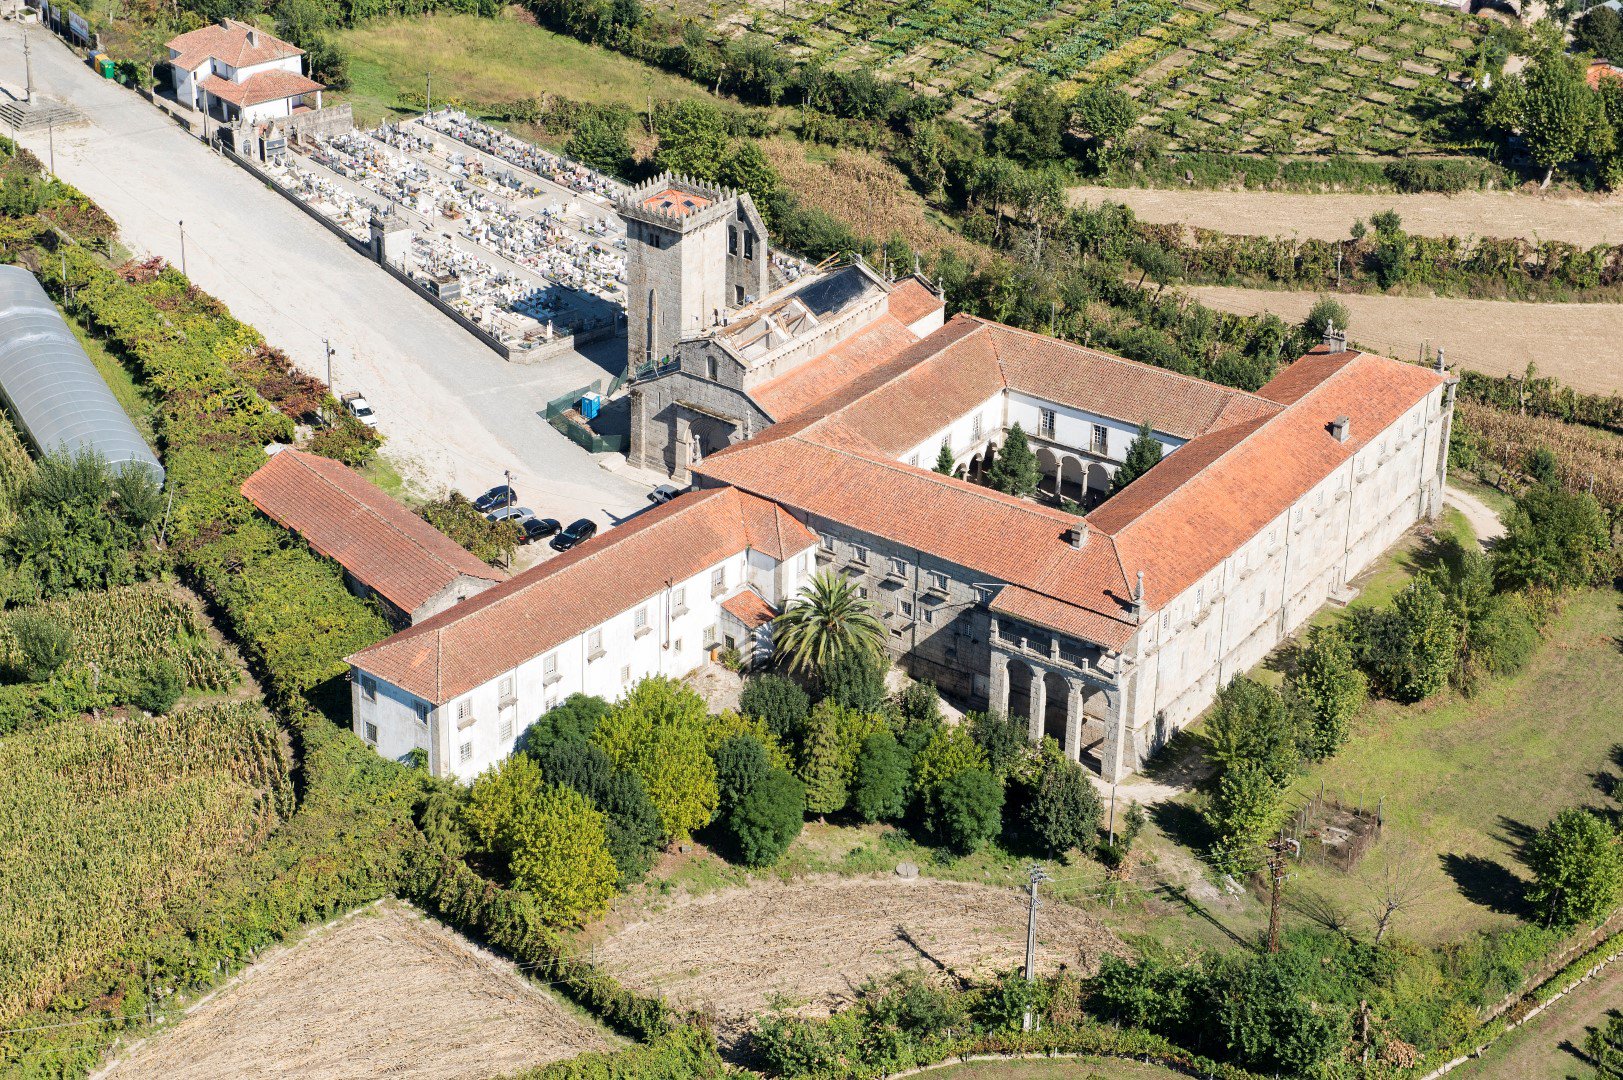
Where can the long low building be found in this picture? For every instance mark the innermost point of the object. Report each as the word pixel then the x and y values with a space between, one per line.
pixel 52 389
pixel 1109 631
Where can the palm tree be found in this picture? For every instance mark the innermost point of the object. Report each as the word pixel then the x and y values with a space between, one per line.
pixel 826 621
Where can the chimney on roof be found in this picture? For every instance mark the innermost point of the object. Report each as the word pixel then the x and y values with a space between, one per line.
pixel 1077 535
pixel 1441 369
pixel 253 37
pixel 1335 340
pixel 1138 599
pixel 1341 428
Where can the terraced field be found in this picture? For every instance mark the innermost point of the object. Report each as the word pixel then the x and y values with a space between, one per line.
pixel 1239 75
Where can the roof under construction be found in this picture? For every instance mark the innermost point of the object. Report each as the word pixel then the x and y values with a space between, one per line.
pixel 49 385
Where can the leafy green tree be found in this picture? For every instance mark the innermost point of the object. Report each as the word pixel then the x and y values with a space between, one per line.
pixel 658 732
pixel 693 139
pixel 44 644
pixel 1326 311
pixel 1329 689
pixel 1001 738
pixel 949 752
pixel 1143 454
pixel 1062 809
pixel 920 701
pixel 1103 115
pixel 969 809
pixel 1015 472
pixel 879 790
pixel 1409 651
pixel 1155 263
pixel 778 702
pixel 574 718
pixel 1251 725
pixel 1271 1019
pixel 1553 539
pixel 550 837
pixel 632 826
pixel 1604 1045
pixel 1243 811
pixel 825 621
pixel 822 764
pixel 1551 106
pixel 160 686
pixel 740 763
pixel 1600 34
pixel 854 680
pixel 768 818
pixel 1577 864
pixel 599 141
pixel 944 463
pixel 745 168
pixel 1034 131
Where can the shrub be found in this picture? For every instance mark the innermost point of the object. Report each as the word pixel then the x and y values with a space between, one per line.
pixel 1062 809
pixel 854 680
pixel 1251 725
pixel 1328 689
pixel 1244 809
pixel 920 702
pixel 1150 993
pixel 1505 637
pixel 740 764
pixel 160 687
pixel 456 517
pixel 969 808
pixel 1577 864
pixel 1270 1018
pixel 1325 312
pixel 1001 738
pixel 658 732
pixel 1553 539
pixel 879 792
pixel 44 644
pixel 1409 650
pixel 767 818
pixel 777 701
pixel 632 827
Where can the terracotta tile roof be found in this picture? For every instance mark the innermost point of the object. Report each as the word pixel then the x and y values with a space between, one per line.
pixel 802 388
pixel 1306 374
pixel 911 300
pixel 445 656
pixel 1600 69
pixel 228 43
pixel 338 513
pixel 1213 494
pixel 266 86
pixel 749 608
pixel 996 537
pixel 674 200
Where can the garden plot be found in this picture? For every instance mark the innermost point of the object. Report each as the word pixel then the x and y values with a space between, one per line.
pixel 385 992
pixel 814 941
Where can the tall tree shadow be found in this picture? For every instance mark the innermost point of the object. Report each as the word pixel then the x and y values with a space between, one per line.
pixel 1516 835
pixel 1488 883
pixel 1181 823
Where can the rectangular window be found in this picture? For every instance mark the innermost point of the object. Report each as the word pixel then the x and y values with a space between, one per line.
pixel 679 600
pixel 710 368
pixel 913 461
pixel 1045 423
pixel 639 621
pixel 738 296
pixel 1166 621
pixel 504 731
pixel 928 614
pixel 1101 435
pixel 718 581
pixel 422 711
pixel 983 593
pixel 464 712
pixel 802 564
pixel 712 636
pixel 904 608
pixel 975 428
pixel 466 753
pixel 938 581
pixel 372 734
pixel 749 245
pixel 859 554
pixel 504 689
pixel 549 669
pixel 898 568
pixel 625 674
pixel 826 541
pixel 594 645
pixel 732 241
pixel 862 591
pixel 552 703
pixel 1200 596
pixel 676 646
pixel 369 688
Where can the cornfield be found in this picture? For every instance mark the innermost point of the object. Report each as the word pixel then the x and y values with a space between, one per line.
pixel 110 831
pixel 124 630
pixel 1587 459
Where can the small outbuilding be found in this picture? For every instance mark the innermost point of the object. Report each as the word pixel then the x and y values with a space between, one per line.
pixel 52 389
pixel 386 550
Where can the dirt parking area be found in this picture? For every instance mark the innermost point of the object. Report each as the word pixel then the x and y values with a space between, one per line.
pixel 814 941
pixel 1577 219
pixel 1577 343
pixel 383 993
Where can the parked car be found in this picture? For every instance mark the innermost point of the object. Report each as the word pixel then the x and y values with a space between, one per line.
pixel 495 499
pixel 510 513
pixel 578 531
pixel 361 409
pixel 532 529
pixel 664 493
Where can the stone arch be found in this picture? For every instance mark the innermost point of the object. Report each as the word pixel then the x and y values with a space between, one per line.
pixel 1048 463
pixel 1020 684
pixel 1057 706
pixel 961 472
pixel 1073 478
pixel 1098 479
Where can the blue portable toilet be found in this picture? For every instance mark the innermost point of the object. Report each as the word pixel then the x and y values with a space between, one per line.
pixel 591 403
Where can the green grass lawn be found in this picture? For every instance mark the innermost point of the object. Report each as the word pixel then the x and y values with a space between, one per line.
pixel 486 61
pixel 1466 781
pixel 130 397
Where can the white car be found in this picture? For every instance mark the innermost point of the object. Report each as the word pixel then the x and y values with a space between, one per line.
pixel 361 409
pixel 664 493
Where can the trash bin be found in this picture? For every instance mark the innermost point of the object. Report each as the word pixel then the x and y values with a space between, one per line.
pixel 591 404
pixel 104 65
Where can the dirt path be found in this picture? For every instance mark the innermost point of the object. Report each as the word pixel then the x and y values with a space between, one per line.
pixel 1580 219
pixel 1577 343
pixel 386 992
pixel 814 941
pixel 1483 520
pixel 1550 1044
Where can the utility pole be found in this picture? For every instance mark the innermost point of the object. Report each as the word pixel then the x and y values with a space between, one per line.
pixel 428 94
pixel 183 249
pixel 1037 878
pixel 1277 851
pixel 1112 814
pixel 28 70
pixel 50 134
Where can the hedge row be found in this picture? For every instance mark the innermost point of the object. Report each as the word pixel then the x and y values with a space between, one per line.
pixel 687 1053
pixel 1539 395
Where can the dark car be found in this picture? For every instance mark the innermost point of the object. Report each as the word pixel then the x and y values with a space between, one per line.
pixel 532 529
pixel 584 529
pixel 495 499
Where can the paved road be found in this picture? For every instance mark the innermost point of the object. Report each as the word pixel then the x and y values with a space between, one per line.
pixel 455 413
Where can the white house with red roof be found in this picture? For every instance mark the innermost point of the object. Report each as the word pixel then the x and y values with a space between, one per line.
pixel 234 71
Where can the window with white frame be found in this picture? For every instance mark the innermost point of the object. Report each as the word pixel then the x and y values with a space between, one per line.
pixel 1101 436
pixel 504 730
pixel 913 461
pixel 504 688
pixel 639 621
pixel 466 752
pixel 718 581
pixel 464 712
pixel 1045 423
pixel 625 674
pixel 803 564
pixel 679 600
pixel 975 428
pixel 549 668
pixel 594 644
pixel 676 646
